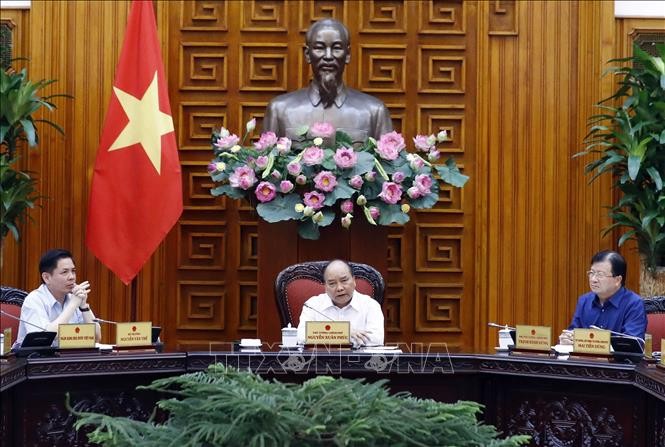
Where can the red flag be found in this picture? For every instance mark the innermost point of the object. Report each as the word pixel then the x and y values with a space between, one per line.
pixel 136 194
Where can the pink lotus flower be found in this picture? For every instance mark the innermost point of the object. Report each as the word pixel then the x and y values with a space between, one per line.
pixel 261 162
pixel 415 162
pixel 265 192
pixel 243 177
pixel 398 177
pixel 323 130
pixel 423 182
pixel 313 155
pixel 413 192
pixel 390 145
pixel 267 140
pixel 345 158
pixel 283 145
pixel 314 199
pixel 346 206
pixel 285 186
pixel 294 168
pixel 212 167
pixel 374 212
pixel 227 141
pixel 391 192
pixel 422 143
pixel 356 182
pixel 325 181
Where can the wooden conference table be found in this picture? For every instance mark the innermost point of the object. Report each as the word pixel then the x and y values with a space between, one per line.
pixel 559 402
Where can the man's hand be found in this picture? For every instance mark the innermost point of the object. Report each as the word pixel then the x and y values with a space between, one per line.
pixel 81 291
pixel 566 337
pixel 360 337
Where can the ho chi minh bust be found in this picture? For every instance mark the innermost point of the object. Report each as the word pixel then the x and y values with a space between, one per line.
pixel 327 99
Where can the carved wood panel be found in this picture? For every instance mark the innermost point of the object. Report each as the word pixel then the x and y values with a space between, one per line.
pixel 230 66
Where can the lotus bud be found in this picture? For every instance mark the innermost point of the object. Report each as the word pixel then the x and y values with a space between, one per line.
pixel 361 200
pixel 442 136
pixel 406 208
pixel 346 220
pixel 301 179
pixel 235 148
pixel 299 207
pixel 318 141
pixel 251 125
pixel 370 176
pixel 308 211
pixel 318 217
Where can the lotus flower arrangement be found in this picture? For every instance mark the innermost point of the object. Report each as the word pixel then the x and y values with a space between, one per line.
pixel 321 174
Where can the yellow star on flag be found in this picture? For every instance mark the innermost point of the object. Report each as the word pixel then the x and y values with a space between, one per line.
pixel 146 123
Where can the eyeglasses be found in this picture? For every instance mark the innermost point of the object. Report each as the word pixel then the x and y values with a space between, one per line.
pixel 599 275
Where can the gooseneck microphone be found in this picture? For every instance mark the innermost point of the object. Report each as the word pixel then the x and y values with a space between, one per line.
pixel 501 326
pixel 23 321
pixel 317 311
pixel 641 340
pixel 99 320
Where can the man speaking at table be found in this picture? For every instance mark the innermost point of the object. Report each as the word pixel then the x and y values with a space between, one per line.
pixel 341 302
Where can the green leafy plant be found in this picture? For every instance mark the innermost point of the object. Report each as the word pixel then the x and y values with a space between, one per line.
pixel 20 100
pixel 224 407
pixel 630 142
pixel 17 194
pixel 321 171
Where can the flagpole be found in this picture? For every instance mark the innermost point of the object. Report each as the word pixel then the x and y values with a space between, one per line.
pixel 133 302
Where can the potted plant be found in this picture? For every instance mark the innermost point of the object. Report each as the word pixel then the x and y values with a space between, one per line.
pixel 630 141
pixel 20 100
pixel 222 406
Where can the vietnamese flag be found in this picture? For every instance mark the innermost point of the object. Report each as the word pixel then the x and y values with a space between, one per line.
pixel 136 194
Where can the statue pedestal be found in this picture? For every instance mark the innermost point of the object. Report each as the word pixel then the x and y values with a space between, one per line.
pixel 280 247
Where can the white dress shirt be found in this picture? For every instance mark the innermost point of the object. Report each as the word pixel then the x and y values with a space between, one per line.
pixel 40 308
pixel 363 312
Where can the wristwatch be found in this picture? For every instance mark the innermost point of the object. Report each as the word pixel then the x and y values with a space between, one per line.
pixel 84 309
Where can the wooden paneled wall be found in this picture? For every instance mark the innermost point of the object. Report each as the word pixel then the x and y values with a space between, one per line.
pixel 515 81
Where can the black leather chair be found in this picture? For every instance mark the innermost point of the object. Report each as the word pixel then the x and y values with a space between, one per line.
pixel 297 283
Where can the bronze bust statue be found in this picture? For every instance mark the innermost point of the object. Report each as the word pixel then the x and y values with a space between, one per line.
pixel 327 99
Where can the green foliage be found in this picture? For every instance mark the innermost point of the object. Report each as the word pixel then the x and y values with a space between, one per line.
pixel 630 143
pixel 19 100
pixel 17 194
pixel 224 407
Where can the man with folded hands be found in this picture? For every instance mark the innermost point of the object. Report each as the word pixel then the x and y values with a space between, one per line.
pixel 609 305
pixel 59 300
pixel 341 302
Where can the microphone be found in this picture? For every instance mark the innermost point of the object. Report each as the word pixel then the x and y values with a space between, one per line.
pixel 318 312
pixel 23 321
pixel 501 326
pixel 99 320
pixel 643 342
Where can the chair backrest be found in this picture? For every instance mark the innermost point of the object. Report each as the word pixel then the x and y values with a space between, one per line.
pixel 655 309
pixel 11 300
pixel 297 283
